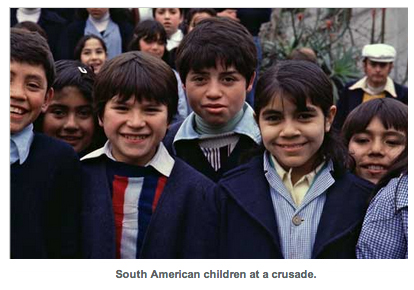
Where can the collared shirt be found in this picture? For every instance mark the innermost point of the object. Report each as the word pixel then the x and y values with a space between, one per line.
pixel 20 144
pixel 162 160
pixel 384 233
pixel 299 189
pixel 297 225
pixel 362 84
pixel 246 126
pixel 175 39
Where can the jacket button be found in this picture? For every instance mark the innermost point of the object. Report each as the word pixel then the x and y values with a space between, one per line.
pixel 297 220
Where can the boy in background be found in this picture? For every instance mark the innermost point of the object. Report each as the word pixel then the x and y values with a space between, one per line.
pixel 139 202
pixel 45 180
pixel 216 63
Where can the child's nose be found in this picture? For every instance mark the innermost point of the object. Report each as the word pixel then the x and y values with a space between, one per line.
pixel 289 129
pixel 136 120
pixel 214 90
pixel 17 92
pixel 71 123
pixel 377 147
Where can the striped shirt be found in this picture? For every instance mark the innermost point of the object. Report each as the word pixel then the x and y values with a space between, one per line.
pixel 298 224
pixel 217 149
pixel 135 194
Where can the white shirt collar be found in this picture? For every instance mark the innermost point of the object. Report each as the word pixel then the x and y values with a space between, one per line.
pixel 175 39
pixel 162 160
pixel 362 84
pixel 20 144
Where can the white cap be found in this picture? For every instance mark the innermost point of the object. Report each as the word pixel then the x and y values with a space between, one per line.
pixel 379 52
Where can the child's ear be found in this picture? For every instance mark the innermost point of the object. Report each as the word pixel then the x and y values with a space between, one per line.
pixel 48 99
pixel 251 82
pixel 329 118
pixel 256 118
pixel 100 121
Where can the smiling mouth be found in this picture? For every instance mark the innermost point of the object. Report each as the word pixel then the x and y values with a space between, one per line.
pixel 134 137
pixel 17 110
pixel 374 167
pixel 291 146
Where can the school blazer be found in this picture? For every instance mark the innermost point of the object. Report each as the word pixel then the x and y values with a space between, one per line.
pixel 179 227
pixel 248 226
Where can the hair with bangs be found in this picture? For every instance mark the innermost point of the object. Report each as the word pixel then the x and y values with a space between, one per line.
pixel 392 114
pixel 136 74
pixel 299 81
pixel 150 31
pixel 81 44
pixel 31 48
pixel 217 40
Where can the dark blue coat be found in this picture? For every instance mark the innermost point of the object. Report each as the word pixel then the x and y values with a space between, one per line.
pixel 55 28
pixel 350 99
pixel 248 227
pixel 180 226
pixel 190 152
pixel 45 202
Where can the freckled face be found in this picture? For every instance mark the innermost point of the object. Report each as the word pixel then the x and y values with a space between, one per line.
pixel 375 149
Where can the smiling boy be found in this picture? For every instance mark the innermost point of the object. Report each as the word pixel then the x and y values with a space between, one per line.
pixel 139 202
pixel 44 203
pixel 217 63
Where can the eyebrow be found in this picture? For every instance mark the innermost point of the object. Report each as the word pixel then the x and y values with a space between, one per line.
pixel 386 133
pixel 274 111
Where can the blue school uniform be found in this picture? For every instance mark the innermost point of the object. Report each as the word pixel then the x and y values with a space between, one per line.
pixel 182 140
pixel 249 225
pixel 178 226
pixel 45 201
pixel 384 234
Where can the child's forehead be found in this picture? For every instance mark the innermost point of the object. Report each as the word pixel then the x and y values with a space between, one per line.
pixel 142 100
pixel 28 68
pixel 219 67
pixel 283 101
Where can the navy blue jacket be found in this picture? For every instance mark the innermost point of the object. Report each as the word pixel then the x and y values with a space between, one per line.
pixel 248 227
pixel 190 152
pixel 180 226
pixel 350 99
pixel 45 202
pixel 55 28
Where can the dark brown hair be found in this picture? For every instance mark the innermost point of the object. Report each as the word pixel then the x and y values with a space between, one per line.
pixel 215 40
pixel 136 74
pixel 31 48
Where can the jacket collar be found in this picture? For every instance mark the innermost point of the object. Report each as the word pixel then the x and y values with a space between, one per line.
pixel 259 206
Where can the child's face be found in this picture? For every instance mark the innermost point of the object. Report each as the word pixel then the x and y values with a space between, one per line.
pixel 93 54
pixel 69 118
pixel 170 18
pixel 134 129
pixel 28 94
pixel 97 13
pixel 156 48
pixel 216 94
pixel 375 149
pixel 293 137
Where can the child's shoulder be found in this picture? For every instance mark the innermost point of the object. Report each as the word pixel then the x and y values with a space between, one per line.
pixel 184 173
pixel 246 174
pixel 54 149
pixel 348 179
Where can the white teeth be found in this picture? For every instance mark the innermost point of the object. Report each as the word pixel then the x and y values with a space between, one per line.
pixel 135 137
pixel 16 110
pixel 376 167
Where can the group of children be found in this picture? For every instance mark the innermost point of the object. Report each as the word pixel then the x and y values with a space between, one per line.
pixel 229 181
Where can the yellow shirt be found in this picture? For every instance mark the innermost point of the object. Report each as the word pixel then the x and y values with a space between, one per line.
pixel 301 187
